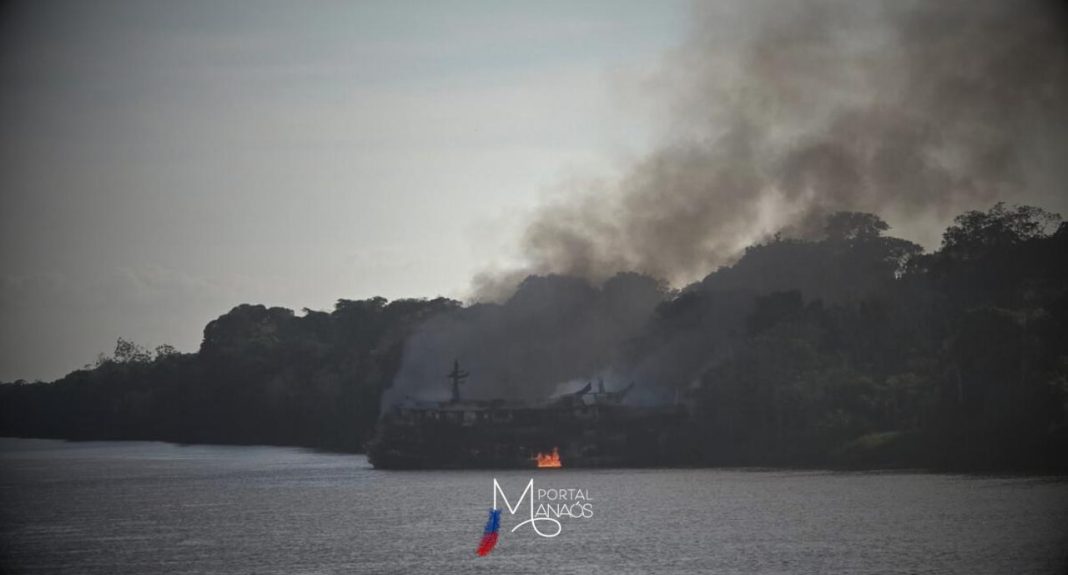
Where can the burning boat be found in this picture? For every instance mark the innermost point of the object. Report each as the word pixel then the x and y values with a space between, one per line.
pixel 584 428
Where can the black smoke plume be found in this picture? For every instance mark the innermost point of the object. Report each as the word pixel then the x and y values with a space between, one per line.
pixel 782 112
pixel 779 114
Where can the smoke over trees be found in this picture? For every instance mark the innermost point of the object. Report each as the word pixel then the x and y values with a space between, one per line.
pixel 851 348
pixel 746 266
pixel 553 330
pixel 781 113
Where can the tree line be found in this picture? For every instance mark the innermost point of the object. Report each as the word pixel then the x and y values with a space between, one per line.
pixel 849 348
pixel 864 351
pixel 261 376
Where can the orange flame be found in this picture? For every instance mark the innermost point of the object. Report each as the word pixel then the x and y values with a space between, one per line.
pixel 550 460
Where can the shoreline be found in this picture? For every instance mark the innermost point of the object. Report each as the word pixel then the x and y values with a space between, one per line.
pixel 1037 472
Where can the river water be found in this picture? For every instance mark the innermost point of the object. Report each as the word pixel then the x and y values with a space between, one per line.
pixel 139 507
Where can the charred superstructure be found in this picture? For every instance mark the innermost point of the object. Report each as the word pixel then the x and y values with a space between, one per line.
pixel 586 428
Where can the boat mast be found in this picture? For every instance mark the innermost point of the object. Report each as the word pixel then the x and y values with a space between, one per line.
pixel 457 376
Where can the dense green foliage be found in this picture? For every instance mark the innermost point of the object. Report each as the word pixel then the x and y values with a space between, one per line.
pixel 955 359
pixel 854 348
pixel 262 375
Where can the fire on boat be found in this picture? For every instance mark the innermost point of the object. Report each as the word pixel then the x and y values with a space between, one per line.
pixel 549 459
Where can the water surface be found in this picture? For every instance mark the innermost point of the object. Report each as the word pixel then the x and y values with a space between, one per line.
pixel 133 507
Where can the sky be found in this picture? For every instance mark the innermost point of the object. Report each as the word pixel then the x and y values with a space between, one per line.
pixel 162 162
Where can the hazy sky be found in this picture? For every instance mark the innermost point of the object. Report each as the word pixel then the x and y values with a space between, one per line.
pixel 164 161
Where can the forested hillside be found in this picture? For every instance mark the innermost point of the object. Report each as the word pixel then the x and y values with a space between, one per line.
pixel 848 348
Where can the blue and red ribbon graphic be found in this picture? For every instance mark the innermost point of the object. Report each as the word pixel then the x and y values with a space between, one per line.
pixel 489 535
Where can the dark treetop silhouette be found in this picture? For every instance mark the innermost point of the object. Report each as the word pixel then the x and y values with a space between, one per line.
pixel 849 348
